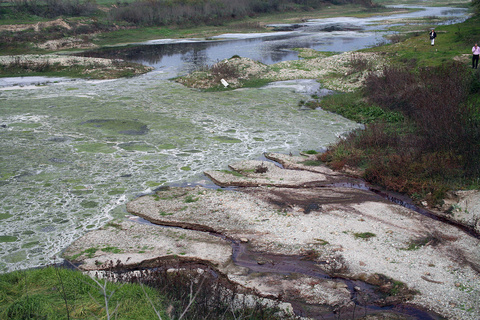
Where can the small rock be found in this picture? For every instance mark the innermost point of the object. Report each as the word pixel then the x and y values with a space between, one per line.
pixel 244 240
pixel 261 261
pixel 362 263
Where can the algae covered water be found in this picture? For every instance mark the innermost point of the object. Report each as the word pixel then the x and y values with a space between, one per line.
pixel 72 153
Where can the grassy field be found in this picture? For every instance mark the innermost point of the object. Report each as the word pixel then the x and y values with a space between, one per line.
pixel 57 293
pixel 452 41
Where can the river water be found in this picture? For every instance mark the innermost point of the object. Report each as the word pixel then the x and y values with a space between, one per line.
pixel 72 153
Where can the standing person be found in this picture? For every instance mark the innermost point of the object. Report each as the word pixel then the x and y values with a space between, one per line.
pixel 476 53
pixel 433 35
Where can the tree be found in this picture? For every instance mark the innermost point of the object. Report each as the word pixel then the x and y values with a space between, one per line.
pixel 476 6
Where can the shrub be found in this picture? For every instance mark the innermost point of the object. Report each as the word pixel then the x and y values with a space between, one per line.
pixel 55 8
pixel 224 69
pixel 360 64
pixel 435 100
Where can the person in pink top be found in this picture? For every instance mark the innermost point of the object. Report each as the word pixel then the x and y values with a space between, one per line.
pixel 476 53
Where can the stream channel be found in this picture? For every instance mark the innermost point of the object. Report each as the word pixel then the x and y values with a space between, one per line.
pixel 73 152
pixel 366 299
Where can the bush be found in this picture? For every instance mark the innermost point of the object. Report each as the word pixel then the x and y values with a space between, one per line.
pixel 55 8
pixel 435 147
pixel 164 12
pixel 435 99
pixel 223 69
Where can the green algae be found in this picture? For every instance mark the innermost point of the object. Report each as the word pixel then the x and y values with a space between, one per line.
pixel 137 146
pixel 153 183
pixel 225 139
pixel 116 191
pixel 15 257
pixel 5 216
pixel 115 126
pixel 166 146
pixel 95 147
pixel 8 238
pixel 24 125
pixel 89 204
pixel 30 244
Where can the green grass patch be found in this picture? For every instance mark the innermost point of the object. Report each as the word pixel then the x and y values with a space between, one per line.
pixel 112 249
pixel 190 199
pixel 235 173
pixel 41 294
pixel 418 243
pixel 312 163
pixel 452 41
pixel 364 235
pixel 321 242
pixel 354 107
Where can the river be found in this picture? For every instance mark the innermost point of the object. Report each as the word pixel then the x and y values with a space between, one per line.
pixel 72 153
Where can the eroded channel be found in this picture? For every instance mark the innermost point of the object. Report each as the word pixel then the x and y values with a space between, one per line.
pixel 365 298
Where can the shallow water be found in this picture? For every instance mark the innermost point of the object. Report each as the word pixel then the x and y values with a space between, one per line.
pixel 73 152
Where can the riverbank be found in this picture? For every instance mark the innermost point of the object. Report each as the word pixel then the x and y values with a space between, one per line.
pixel 61 65
pixel 339 72
pixel 305 212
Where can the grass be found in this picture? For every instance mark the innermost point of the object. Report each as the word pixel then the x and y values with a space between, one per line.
pixel 311 163
pixel 452 41
pixel 353 106
pixel 190 199
pixel 364 235
pixel 235 173
pixel 41 294
pixel 59 293
pixel 420 242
